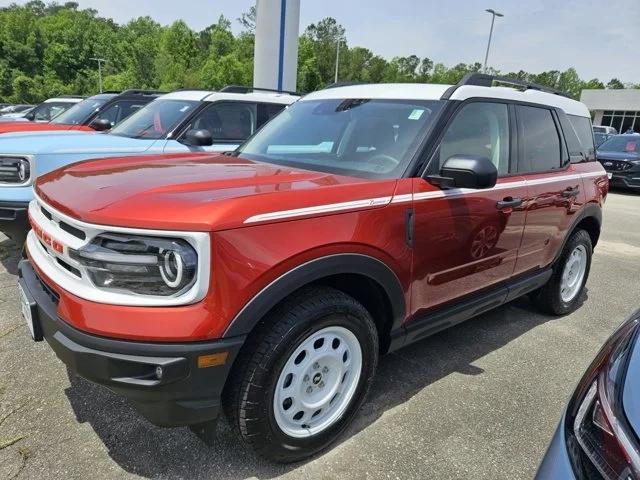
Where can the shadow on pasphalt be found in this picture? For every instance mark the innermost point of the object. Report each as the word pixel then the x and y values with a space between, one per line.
pixel 140 448
pixel 10 255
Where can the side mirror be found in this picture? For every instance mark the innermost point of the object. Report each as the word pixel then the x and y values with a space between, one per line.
pixel 30 116
pixel 101 124
pixel 468 171
pixel 198 138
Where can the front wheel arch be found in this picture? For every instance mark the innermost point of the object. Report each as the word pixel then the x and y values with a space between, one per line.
pixel 332 270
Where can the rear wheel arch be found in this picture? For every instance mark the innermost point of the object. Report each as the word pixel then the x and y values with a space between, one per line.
pixel 588 219
pixel 367 279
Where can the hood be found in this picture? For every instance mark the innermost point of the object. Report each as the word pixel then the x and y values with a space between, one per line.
pixel 70 142
pixel 604 155
pixel 201 192
pixel 10 127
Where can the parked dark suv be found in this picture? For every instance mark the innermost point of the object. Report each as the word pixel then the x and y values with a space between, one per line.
pixel 266 282
pixel 620 157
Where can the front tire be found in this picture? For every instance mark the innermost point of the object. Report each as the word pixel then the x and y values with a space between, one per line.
pixel 303 374
pixel 563 293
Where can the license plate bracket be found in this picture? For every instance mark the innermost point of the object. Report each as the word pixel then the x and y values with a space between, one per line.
pixel 30 313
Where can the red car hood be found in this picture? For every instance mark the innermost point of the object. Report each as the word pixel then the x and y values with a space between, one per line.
pixel 194 191
pixel 9 127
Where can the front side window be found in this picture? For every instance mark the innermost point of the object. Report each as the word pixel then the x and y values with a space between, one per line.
pixel 80 112
pixel 119 111
pixel 156 119
pixel 360 137
pixel 479 129
pixel 226 121
pixel 539 140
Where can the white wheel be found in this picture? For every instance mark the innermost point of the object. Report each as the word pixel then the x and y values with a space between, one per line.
pixel 317 382
pixel 573 273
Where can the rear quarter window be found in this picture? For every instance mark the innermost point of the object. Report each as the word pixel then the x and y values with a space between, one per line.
pixel 584 131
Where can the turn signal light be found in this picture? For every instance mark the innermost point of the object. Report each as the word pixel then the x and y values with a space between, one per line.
pixel 212 359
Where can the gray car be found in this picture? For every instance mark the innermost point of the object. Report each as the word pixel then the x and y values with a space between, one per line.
pixel 597 437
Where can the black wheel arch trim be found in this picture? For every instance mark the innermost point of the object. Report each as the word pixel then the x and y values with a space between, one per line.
pixel 591 210
pixel 313 270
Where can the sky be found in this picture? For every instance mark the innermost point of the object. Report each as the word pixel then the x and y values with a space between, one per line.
pixel 597 38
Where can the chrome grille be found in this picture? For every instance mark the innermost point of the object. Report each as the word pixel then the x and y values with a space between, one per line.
pixel 615 165
pixel 14 170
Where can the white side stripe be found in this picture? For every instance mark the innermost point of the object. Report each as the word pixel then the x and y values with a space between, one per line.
pixel 331 207
pixel 408 197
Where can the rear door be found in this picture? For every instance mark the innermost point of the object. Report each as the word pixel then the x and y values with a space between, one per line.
pixel 467 240
pixel 554 185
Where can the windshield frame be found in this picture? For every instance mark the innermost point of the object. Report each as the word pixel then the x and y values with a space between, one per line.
pixel 406 165
pixel 170 131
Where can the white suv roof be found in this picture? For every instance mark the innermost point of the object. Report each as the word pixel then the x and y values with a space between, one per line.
pixel 212 96
pixel 64 100
pixel 424 91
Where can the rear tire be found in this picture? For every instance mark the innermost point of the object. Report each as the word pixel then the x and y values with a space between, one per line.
pixel 303 374
pixel 563 293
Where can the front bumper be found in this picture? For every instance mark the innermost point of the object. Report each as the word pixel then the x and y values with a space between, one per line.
pixel 13 219
pixel 625 179
pixel 556 463
pixel 186 393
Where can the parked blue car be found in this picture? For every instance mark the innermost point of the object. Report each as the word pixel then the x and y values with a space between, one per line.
pixel 598 435
pixel 183 121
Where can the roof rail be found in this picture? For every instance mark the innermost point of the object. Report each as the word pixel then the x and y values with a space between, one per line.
pixel 344 84
pixel 135 91
pixel 69 96
pixel 486 80
pixel 245 89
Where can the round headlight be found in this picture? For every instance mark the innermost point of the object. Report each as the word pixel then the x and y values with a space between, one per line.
pixel 23 173
pixel 171 268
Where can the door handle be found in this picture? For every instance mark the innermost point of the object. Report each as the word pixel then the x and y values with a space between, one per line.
pixel 571 192
pixel 508 202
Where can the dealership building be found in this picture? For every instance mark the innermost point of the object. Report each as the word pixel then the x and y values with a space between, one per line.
pixel 619 109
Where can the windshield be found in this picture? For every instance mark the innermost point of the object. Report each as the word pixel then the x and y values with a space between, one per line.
pixel 359 137
pixel 49 110
pixel 80 112
pixel 622 144
pixel 600 138
pixel 155 120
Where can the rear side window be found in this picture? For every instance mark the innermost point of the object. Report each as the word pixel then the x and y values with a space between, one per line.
pixel 584 131
pixel 539 140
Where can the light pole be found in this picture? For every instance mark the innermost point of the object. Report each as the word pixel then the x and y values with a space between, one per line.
pixel 337 58
pixel 99 60
pixel 494 14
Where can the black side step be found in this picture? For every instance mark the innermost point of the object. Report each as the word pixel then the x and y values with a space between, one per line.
pixel 469 307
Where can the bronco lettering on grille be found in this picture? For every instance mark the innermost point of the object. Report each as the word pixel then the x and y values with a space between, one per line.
pixel 46 238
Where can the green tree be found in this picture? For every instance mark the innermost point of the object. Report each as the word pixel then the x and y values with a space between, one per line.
pixel 615 84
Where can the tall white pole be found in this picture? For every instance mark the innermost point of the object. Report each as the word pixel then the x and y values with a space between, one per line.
pixel 275 63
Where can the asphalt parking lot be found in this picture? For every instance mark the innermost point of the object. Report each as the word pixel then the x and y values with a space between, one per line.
pixel 478 401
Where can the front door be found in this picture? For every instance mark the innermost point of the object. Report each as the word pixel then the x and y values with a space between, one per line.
pixel 467 240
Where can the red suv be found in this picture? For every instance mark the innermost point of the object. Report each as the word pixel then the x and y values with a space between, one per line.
pixel 267 282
